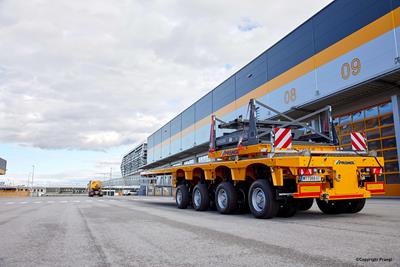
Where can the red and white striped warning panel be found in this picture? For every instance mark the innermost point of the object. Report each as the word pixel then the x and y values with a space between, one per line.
pixel 358 141
pixel 283 138
pixel 306 171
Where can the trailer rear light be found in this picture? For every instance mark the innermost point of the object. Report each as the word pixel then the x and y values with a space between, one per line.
pixel 376 170
pixel 305 171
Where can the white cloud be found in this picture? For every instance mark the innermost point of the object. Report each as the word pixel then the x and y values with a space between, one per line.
pixel 96 74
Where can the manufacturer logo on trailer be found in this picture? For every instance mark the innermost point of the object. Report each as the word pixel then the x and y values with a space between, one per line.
pixel 358 141
pixel 342 162
pixel 233 152
pixel 283 138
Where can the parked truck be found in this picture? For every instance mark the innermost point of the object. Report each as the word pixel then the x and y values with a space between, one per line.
pixel 95 188
pixel 278 166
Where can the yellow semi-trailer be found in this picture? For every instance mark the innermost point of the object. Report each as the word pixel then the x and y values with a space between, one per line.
pixel 276 167
pixel 95 188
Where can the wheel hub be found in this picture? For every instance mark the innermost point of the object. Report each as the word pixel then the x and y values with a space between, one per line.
pixel 222 198
pixel 197 197
pixel 179 196
pixel 258 199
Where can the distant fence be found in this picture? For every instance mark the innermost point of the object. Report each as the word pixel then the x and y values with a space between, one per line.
pixel 14 193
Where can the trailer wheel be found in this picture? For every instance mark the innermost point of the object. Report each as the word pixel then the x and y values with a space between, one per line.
pixel 225 198
pixel 332 207
pixel 353 205
pixel 182 196
pixel 287 209
pixel 262 202
pixel 304 203
pixel 200 197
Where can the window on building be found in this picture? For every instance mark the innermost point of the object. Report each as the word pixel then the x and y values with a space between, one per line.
pixel 377 124
pixel 187 162
pixel 203 159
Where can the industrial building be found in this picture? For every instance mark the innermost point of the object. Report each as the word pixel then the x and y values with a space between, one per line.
pixel 134 160
pixel 3 166
pixel 346 56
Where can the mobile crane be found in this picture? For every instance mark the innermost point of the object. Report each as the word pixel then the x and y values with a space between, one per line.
pixel 277 166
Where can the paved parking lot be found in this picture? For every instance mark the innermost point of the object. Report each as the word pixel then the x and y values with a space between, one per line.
pixel 133 231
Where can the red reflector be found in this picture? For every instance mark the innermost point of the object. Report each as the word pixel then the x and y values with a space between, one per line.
pixel 306 171
pixel 376 170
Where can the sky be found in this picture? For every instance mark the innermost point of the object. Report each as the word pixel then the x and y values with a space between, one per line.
pixel 83 82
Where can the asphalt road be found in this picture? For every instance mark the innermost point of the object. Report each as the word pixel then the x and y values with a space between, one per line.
pixel 128 231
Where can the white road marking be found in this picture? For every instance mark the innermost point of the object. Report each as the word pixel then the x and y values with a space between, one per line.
pixel 63 201
pixel 51 201
pixel 89 200
pixel 37 202
pixel 10 203
pixel 101 200
pixel 23 202
pixel 76 201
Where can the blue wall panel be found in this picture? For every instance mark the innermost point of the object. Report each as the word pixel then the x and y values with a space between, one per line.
pixel 166 132
pixel 188 117
pixel 202 135
pixel 290 51
pixel 176 128
pixel 343 17
pixel 297 92
pixel 150 149
pixel 176 125
pixel 150 155
pixel 157 149
pixel 251 76
pixel 395 4
pixel 188 139
pixel 176 146
pixel 224 94
pixel 150 141
pixel 166 135
pixel 203 107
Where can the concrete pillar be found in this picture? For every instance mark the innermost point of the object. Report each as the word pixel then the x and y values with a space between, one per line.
pixel 396 119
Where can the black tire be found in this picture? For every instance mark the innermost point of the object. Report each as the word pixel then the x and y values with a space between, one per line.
pixel 287 209
pixel 267 208
pixel 352 205
pixel 211 197
pixel 330 207
pixel 304 203
pixel 200 199
pixel 182 196
pixel 242 198
pixel 225 198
